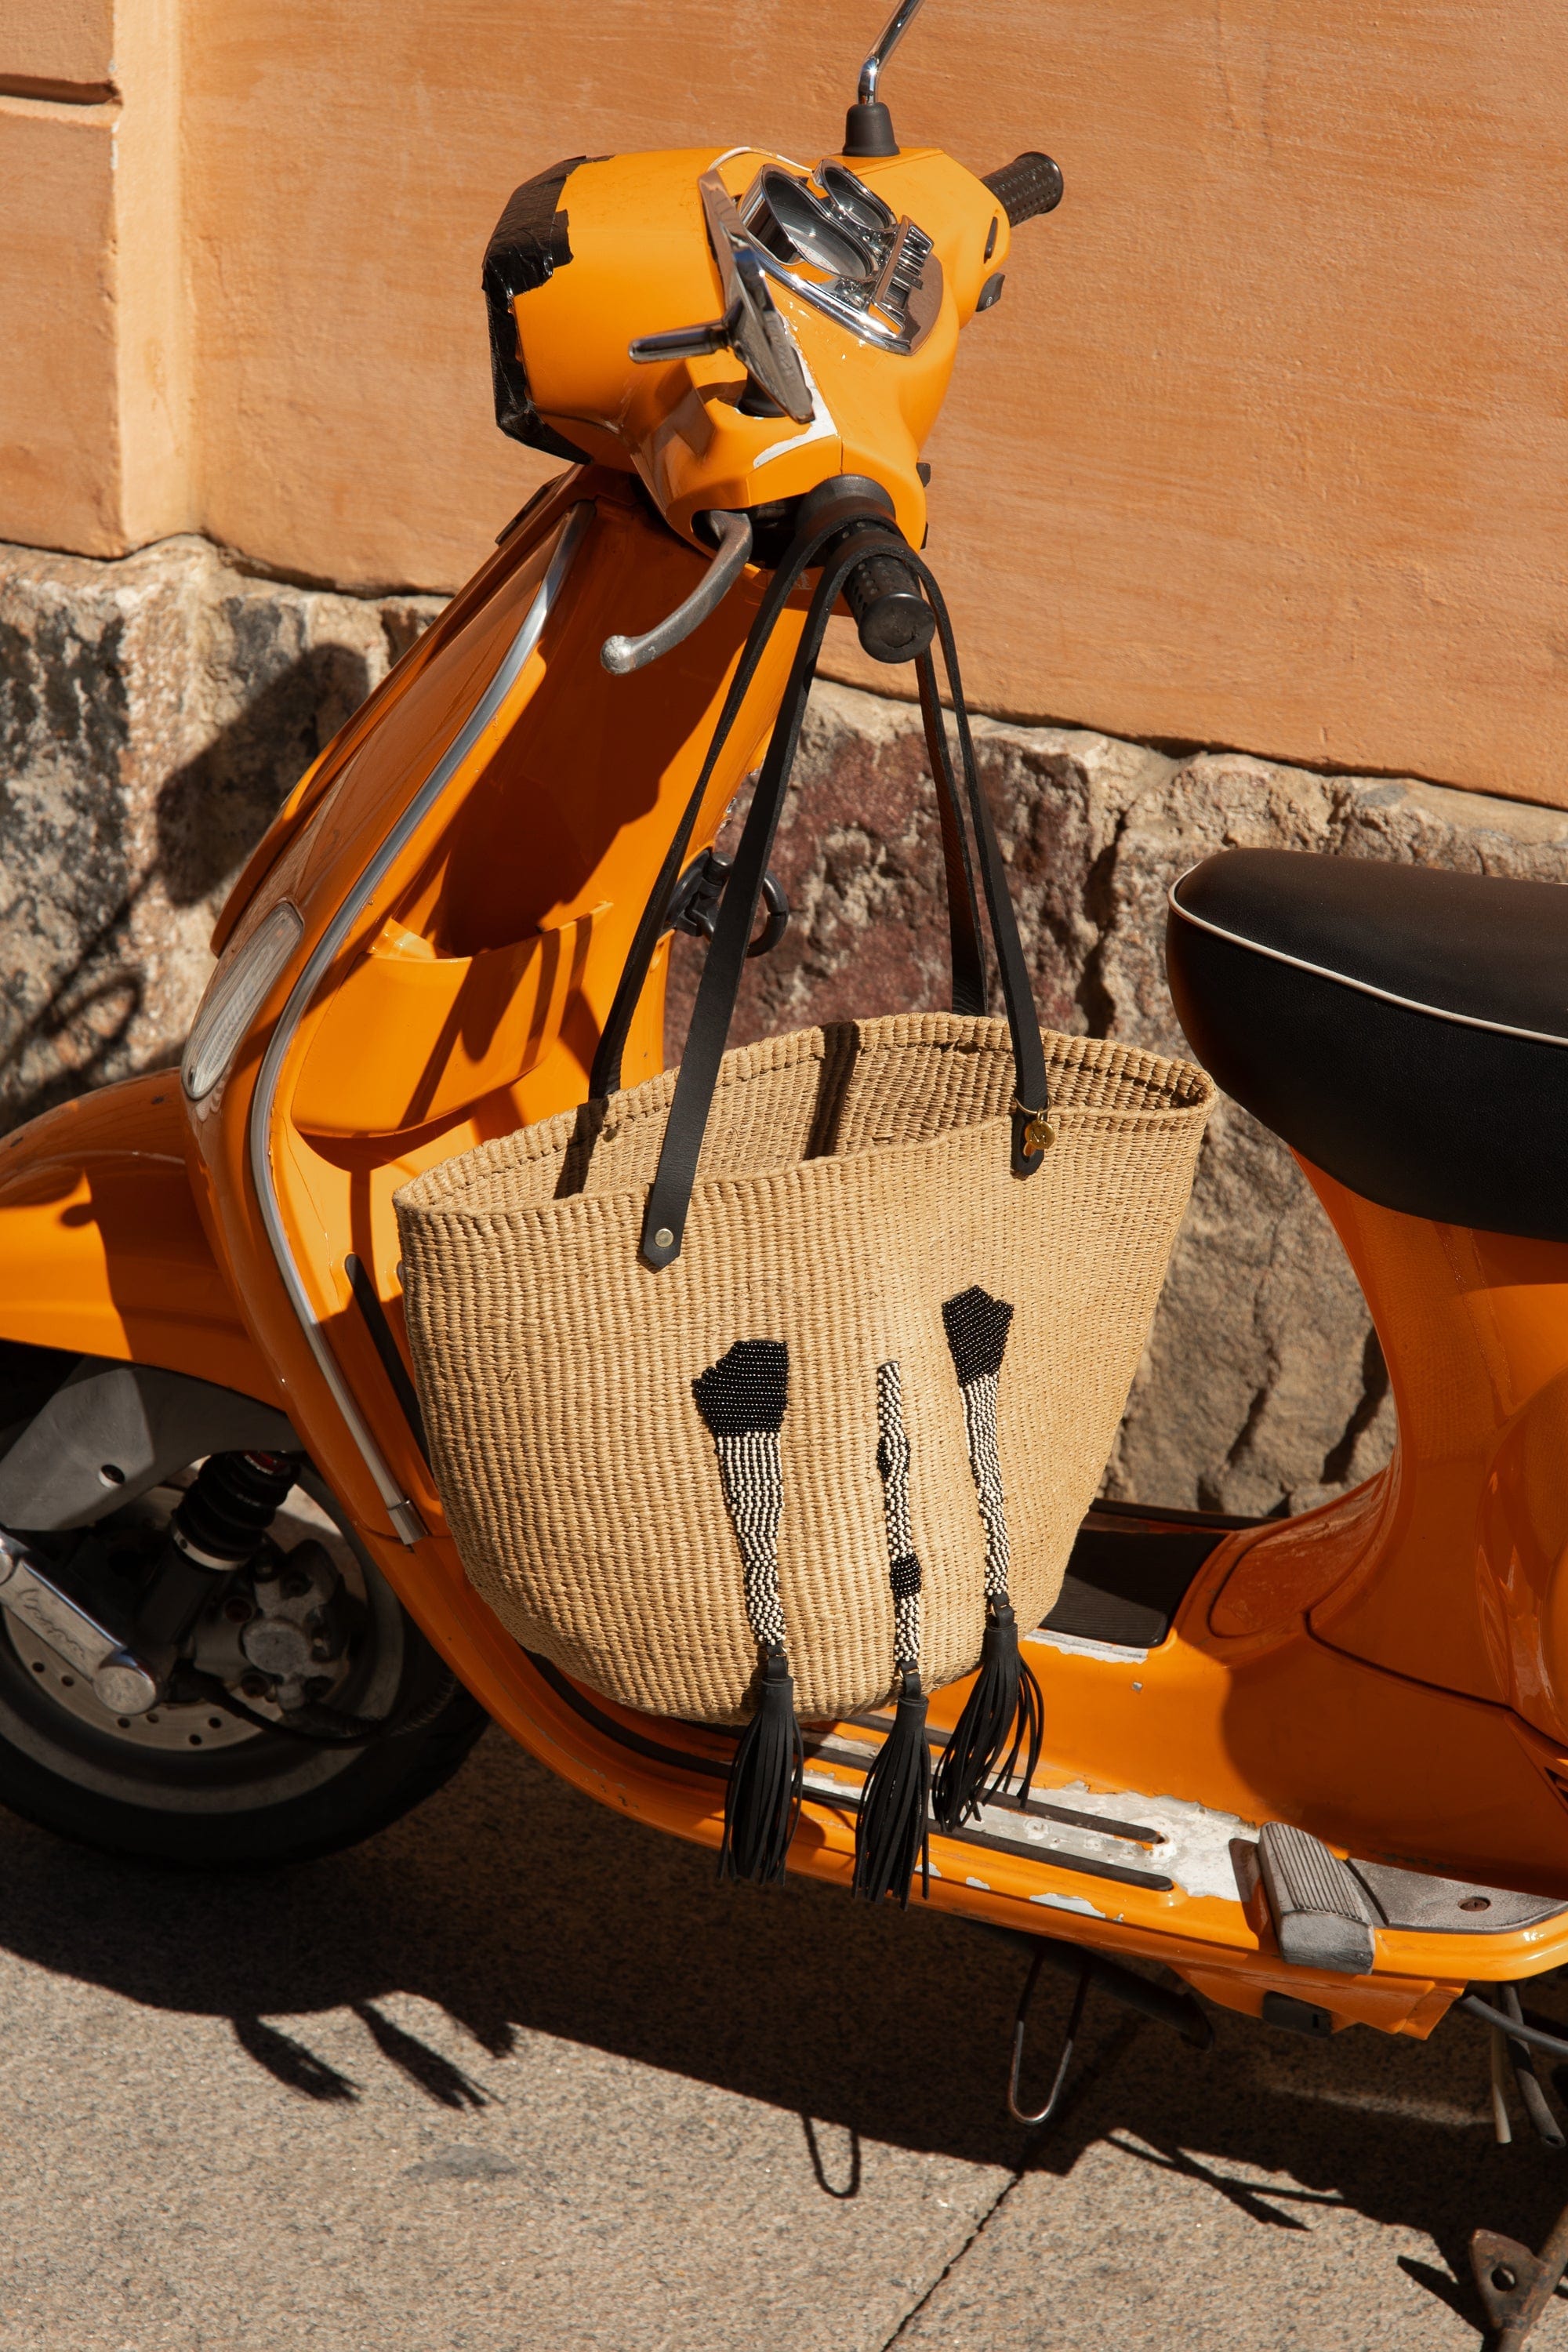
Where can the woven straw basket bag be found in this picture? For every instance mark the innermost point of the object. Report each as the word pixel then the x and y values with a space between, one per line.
pixel 802 1363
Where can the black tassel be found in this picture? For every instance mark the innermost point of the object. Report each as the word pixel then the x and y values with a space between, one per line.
pixel 1006 1700
pixel 891 1831
pixel 762 1797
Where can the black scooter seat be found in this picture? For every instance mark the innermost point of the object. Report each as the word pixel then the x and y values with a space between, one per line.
pixel 1405 1030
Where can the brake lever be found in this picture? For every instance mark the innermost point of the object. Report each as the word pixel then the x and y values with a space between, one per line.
pixel 751 327
pixel 733 533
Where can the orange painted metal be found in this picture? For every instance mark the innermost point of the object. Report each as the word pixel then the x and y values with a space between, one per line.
pixel 641 265
pixel 1390 1672
pixel 102 1246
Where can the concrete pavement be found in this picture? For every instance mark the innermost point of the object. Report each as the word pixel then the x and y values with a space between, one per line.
pixel 518 2076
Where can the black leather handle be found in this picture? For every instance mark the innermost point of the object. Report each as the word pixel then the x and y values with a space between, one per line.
pixel 1030 185
pixel 969 993
pixel 670 1195
pixel 798 559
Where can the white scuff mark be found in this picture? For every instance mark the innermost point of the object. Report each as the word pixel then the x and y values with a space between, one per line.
pixel 1068 1903
pixel 1194 1841
pixel 1078 1645
pixel 821 428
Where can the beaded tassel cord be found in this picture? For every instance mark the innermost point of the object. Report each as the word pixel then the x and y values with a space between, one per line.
pixel 742 1399
pixel 890 1831
pixel 1005 1703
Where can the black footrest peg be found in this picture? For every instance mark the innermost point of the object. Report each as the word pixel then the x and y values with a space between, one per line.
pixel 1324 1915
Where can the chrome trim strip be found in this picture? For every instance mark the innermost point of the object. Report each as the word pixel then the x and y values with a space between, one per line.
pixel 405 1519
pixel 1362 987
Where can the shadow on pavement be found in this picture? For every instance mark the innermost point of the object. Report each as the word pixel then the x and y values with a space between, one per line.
pixel 515 1904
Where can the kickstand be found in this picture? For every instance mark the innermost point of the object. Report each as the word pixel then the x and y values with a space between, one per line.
pixel 1515 2285
pixel 1075 2019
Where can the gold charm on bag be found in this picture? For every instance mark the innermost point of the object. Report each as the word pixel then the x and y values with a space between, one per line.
pixel 1039 1134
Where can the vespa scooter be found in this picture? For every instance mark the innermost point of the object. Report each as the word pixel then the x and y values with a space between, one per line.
pixel 1317 1769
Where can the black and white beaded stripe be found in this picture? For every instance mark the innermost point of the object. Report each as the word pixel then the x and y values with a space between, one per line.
pixel 903 1563
pixel 742 1399
pixel 753 1489
pixel 977 1326
pixel 985 1461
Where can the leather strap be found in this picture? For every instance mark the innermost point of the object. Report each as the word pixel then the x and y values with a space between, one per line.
pixel 670 1195
pixel 798 559
pixel 1032 1103
pixel 969 990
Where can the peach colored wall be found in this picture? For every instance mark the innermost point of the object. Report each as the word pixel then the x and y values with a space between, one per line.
pixel 54 41
pixel 1266 446
pixel 95 392
pixel 58 380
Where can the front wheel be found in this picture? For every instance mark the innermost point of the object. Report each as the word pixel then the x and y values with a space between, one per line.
pixel 196 1785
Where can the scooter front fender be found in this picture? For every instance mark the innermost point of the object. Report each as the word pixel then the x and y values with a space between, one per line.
pixel 102 1250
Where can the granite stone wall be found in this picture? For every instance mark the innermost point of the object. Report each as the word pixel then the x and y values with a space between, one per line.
pixel 1262 1386
pixel 155 711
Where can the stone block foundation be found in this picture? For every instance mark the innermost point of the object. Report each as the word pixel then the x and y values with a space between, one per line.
pixel 155 711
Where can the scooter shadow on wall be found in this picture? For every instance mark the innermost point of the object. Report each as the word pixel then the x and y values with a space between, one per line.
pixel 515 1905
pixel 123 905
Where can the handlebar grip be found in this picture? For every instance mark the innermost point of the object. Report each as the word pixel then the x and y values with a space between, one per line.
pixel 1031 184
pixel 894 621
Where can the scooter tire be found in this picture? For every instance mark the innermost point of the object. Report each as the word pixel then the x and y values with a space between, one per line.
pixel 250 1799
pixel 375 1787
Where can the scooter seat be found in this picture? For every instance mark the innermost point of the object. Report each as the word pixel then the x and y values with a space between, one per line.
pixel 1405 1030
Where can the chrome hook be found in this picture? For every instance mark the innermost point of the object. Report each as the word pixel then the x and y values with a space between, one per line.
pixel 733 533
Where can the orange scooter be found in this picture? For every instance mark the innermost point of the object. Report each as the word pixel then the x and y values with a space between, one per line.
pixel 1317 1769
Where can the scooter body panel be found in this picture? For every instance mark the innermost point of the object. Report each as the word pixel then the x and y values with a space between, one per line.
pixel 641 263
pixel 102 1248
pixel 1466 1587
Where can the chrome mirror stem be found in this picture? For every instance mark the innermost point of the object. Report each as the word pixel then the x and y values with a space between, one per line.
pixel 898 24
pixel 868 127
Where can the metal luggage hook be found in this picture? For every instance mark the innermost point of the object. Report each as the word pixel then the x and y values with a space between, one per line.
pixel 733 534
pixel 1075 2019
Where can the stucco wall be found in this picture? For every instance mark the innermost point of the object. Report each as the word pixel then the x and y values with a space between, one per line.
pixel 1266 445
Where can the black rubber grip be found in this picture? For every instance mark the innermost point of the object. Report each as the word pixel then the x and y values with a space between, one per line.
pixel 895 623
pixel 1031 184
